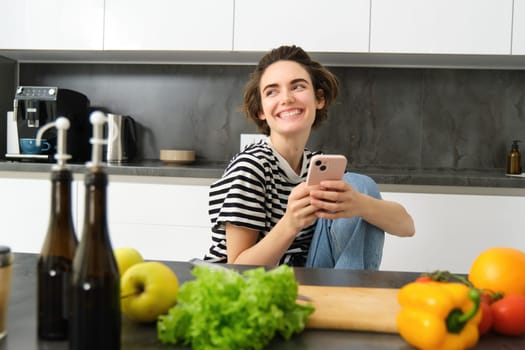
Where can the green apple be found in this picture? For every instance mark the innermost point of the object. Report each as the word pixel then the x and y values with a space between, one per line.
pixel 126 257
pixel 148 289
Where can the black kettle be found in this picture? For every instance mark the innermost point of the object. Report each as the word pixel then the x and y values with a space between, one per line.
pixel 122 139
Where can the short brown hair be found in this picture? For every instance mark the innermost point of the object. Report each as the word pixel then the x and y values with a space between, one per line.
pixel 322 79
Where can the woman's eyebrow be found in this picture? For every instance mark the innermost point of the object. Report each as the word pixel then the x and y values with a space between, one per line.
pixel 270 86
pixel 299 80
pixel 294 81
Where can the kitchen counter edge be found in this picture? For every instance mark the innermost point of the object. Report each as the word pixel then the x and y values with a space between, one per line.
pixel 389 180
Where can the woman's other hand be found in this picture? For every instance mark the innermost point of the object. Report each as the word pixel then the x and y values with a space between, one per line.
pixel 337 199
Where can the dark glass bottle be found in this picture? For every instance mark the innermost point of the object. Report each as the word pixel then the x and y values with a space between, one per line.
pixel 55 261
pixel 95 307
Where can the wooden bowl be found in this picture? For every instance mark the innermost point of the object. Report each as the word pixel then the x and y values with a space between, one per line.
pixel 177 156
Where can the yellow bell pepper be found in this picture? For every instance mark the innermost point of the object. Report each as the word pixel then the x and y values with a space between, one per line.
pixel 439 315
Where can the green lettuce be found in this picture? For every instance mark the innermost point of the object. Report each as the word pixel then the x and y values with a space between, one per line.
pixel 222 309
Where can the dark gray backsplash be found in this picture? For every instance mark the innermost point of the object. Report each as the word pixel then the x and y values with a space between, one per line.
pixel 176 107
pixel 384 117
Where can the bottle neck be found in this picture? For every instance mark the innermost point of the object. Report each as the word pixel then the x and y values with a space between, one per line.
pixel 61 196
pixel 95 220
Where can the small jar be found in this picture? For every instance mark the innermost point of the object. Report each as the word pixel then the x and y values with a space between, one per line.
pixel 6 261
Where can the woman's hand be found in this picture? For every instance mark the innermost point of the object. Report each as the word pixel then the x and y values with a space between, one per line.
pixel 243 246
pixel 299 212
pixel 337 199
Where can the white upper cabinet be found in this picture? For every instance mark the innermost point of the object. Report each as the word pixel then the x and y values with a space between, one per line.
pixel 321 26
pixel 51 24
pixel 168 25
pixel 441 26
pixel 518 30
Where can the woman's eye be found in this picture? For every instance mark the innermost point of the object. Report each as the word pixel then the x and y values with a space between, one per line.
pixel 298 86
pixel 271 92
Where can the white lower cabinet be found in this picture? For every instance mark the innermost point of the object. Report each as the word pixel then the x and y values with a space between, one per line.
pixel 451 230
pixel 24 210
pixel 167 221
pixel 162 221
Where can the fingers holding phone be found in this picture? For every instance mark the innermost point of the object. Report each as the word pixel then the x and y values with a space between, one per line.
pixel 299 212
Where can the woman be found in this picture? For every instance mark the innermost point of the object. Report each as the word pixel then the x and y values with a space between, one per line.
pixel 262 211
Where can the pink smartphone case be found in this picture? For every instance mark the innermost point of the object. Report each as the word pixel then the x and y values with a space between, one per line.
pixel 326 167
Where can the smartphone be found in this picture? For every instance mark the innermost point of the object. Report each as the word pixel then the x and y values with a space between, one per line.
pixel 325 167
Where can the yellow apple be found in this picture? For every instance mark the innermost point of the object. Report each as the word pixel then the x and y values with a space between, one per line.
pixel 126 257
pixel 148 289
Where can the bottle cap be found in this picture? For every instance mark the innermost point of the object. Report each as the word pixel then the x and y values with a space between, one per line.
pixel 62 124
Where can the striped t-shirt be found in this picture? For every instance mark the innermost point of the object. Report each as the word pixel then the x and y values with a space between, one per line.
pixel 253 193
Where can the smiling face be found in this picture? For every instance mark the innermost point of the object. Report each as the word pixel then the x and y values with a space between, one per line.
pixel 288 99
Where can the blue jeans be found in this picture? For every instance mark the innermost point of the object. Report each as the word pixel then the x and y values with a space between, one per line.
pixel 348 243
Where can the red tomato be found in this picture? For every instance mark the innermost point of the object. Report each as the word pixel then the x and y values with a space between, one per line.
pixel 509 315
pixel 486 298
pixel 486 318
pixel 423 279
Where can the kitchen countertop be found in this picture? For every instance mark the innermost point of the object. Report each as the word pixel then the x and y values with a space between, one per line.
pixel 21 320
pixel 213 170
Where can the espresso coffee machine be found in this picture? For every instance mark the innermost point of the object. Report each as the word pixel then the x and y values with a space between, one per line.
pixel 35 106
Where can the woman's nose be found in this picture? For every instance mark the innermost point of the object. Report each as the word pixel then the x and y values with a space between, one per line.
pixel 287 96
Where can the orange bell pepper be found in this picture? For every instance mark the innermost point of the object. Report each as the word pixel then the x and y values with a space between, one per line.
pixel 439 315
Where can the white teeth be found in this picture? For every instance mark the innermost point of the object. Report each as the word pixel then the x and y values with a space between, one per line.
pixel 289 113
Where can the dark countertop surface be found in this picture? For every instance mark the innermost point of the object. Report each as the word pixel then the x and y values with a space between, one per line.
pixel 212 170
pixel 21 320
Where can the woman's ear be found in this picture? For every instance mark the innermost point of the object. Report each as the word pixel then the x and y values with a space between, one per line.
pixel 319 96
pixel 261 116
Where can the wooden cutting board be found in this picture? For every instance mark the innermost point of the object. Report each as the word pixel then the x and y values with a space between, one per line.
pixel 351 308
